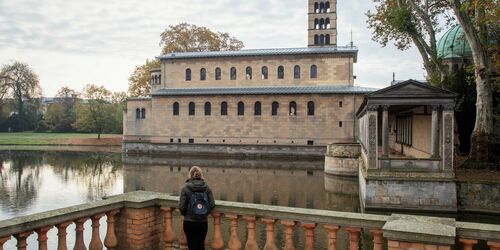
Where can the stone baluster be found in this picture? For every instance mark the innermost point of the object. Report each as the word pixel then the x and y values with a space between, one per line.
pixel 251 243
pixel 169 230
pixel 110 241
pixel 377 239
pixel 289 225
pixel 79 237
pixel 332 236
pixel 42 237
pixel 468 243
pixel 270 244
pixel 353 238
pixel 494 245
pixel 61 234
pixel 95 242
pixel 3 240
pixel 21 240
pixel 309 227
pixel 234 241
pixel 182 236
pixel 217 241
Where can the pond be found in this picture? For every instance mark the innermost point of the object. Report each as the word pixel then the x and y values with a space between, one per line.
pixel 37 181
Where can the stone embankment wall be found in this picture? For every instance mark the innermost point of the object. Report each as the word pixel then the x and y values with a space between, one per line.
pixel 342 159
pixel 481 197
pixel 258 151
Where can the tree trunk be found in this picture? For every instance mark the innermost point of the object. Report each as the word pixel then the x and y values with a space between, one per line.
pixel 98 135
pixel 483 129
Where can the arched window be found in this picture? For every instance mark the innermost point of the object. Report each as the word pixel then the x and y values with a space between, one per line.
pixel 310 108
pixel 316 23
pixel 314 71
pixel 322 39
pixel 241 108
pixel 316 7
pixel 281 72
pixel 327 39
pixel 274 108
pixel 152 80
pixel 321 23
pixel 223 108
pixel 327 7
pixel 138 113
pixel 265 73
pixel 218 74
pixel 322 7
pixel 143 113
pixel 175 109
pixel 249 73
pixel 192 108
pixel 258 108
pixel 327 23
pixel 203 74
pixel 292 109
pixel 208 109
pixel 296 72
pixel 233 73
pixel 188 74
pixel 316 40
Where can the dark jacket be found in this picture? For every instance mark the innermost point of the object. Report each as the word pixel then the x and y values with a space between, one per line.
pixel 194 185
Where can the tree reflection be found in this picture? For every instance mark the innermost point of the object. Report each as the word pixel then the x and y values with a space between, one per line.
pixel 20 180
pixel 22 174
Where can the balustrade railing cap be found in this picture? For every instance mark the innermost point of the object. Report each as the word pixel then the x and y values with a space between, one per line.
pixel 420 229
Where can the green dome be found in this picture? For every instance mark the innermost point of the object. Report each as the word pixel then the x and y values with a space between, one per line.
pixel 453 44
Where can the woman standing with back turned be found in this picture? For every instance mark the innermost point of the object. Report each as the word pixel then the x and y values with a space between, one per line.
pixel 195 203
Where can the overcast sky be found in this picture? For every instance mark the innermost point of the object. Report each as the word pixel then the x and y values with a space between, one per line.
pixel 74 43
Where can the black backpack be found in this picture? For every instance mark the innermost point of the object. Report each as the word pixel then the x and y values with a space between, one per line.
pixel 199 207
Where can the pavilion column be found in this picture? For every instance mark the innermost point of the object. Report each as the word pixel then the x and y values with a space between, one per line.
pixel 448 128
pixel 372 145
pixel 435 132
pixel 385 131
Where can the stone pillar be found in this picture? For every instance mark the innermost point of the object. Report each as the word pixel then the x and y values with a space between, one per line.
pixel 139 228
pixel 468 243
pixel 372 147
pixel 435 132
pixel 419 232
pixel 385 131
pixel 448 128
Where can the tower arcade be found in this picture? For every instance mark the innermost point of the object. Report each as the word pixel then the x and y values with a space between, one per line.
pixel 322 28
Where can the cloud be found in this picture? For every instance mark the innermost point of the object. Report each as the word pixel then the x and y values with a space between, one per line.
pixel 120 34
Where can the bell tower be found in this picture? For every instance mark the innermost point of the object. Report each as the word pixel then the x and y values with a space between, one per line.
pixel 322 17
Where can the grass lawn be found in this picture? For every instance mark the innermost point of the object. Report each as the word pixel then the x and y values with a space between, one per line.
pixel 30 138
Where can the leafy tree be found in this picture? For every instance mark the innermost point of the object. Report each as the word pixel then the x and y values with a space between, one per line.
pixel 477 18
pixel 61 114
pixel 182 37
pixel 20 83
pixel 93 114
pixel 139 80
pixel 186 37
pixel 118 102
pixel 408 22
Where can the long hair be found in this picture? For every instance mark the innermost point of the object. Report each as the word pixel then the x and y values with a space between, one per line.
pixel 195 173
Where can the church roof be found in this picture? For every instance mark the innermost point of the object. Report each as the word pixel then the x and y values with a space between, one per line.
pixel 262 52
pixel 293 90
pixel 453 44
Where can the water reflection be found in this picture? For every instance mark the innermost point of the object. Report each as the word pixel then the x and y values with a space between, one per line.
pixel 293 184
pixel 39 181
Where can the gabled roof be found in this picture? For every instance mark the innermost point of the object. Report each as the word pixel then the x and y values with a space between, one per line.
pixel 263 52
pixel 407 93
pixel 293 90
pixel 411 89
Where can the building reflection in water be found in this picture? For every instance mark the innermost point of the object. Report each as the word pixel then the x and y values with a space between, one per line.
pixel 272 182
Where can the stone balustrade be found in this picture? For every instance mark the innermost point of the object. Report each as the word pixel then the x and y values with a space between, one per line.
pixel 147 220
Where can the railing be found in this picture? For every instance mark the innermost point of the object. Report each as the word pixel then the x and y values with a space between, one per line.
pixel 139 219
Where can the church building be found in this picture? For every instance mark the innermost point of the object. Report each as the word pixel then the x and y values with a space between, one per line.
pixel 258 98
